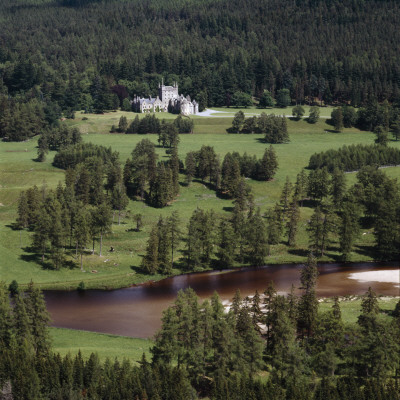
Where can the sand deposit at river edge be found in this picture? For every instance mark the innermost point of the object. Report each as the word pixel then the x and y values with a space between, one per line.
pixel 388 276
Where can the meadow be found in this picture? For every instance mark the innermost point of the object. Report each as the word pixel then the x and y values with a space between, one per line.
pixel 71 341
pixel 19 171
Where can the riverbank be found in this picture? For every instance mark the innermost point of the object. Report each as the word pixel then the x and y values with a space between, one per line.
pixel 137 311
pixel 72 341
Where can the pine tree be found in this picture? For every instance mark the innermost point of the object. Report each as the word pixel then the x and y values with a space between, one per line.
pixel 175 232
pixel 338 187
pixel 174 165
pixel 349 228
pixel 190 163
pixel 308 303
pixel 39 318
pixel 101 219
pixel 23 211
pixel 257 245
pixel 285 199
pixel 81 232
pixel 119 199
pixel 237 122
pixel 226 244
pixel 164 246
pixel 275 226
pixel 21 322
pixel 6 320
pixel 123 124
pixel 268 165
pixel 292 222
pixel 150 260
pixel 42 231
pixel 138 220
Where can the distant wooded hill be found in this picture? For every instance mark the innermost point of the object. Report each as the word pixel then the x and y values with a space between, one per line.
pixel 321 50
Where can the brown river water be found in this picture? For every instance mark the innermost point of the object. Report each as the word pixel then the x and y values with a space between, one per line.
pixel 137 311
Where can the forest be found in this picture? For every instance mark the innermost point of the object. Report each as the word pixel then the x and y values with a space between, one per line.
pixel 204 351
pixel 92 55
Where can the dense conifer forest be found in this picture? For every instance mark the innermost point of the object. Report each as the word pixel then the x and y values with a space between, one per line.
pixel 83 54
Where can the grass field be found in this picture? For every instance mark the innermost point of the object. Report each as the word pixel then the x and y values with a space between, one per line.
pixel 66 341
pixel 19 171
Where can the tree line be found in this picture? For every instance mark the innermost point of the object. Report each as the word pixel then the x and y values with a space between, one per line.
pixel 371 117
pixel 202 350
pixel 354 157
pixel 152 124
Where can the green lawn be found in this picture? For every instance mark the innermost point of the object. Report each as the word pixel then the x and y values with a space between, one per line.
pixel 66 341
pixel 19 171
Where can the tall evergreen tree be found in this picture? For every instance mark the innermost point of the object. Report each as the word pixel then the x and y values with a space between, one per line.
pixel 150 260
pixel 308 303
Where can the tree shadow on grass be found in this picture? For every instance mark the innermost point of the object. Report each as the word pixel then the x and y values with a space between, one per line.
pixel 37 259
pixel 299 252
pixel 365 250
pixel 13 226
pixel 309 203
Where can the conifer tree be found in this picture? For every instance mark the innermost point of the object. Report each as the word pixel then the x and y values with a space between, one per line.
pixel 292 221
pixel 42 229
pixel 164 246
pixel 349 228
pixel 123 124
pixel 21 322
pixel 175 233
pixel 119 199
pixel 190 164
pixel 39 319
pixel 338 187
pixel 257 245
pixel 275 226
pixel 285 199
pixel 81 232
pixel 101 219
pixel 174 165
pixel 308 303
pixel 268 165
pixel 23 211
pixel 150 260
pixel 5 318
pixel 300 187
pixel 226 243
pixel 237 122
pixel 138 220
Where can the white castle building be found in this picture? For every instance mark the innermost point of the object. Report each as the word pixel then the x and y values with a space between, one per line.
pixel 168 100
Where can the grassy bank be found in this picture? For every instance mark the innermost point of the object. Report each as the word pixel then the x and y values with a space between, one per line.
pixel 106 346
pixel 19 171
pixel 351 307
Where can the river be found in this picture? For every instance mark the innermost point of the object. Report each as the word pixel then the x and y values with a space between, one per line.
pixel 137 311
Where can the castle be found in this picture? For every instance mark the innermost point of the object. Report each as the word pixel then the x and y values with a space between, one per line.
pixel 168 100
